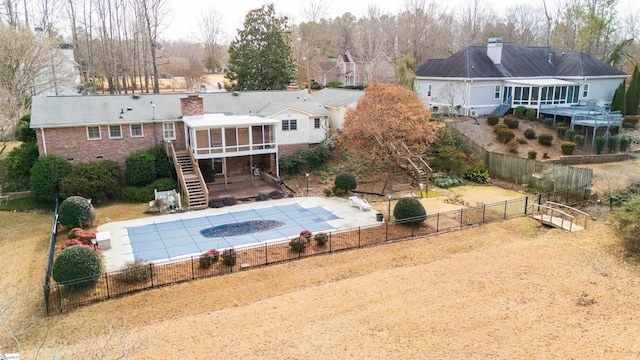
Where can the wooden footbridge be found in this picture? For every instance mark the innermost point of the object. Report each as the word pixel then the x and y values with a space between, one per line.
pixel 560 216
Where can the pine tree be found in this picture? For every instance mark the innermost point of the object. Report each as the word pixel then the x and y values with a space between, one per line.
pixel 619 97
pixel 260 57
pixel 633 93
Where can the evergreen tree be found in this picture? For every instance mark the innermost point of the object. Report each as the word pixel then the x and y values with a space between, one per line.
pixel 633 93
pixel 619 97
pixel 260 57
pixel 404 71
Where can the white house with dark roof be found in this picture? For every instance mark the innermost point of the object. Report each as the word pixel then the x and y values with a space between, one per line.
pixel 492 79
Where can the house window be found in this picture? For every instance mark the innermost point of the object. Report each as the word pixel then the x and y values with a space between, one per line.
pixel 428 90
pixel 169 131
pixel 585 90
pixel 496 93
pixel 316 123
pixel 115 132
pixel 136 130
pixel 289 125
pixel 93 133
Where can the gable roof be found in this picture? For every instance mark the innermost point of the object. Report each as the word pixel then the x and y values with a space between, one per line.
pixel 337 98
pixel 59 111
pixel 517 61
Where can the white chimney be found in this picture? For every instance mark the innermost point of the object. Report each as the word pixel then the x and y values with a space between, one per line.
pixel 494 50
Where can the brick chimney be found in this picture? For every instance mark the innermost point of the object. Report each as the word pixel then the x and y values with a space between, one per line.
pixel 192 105
pixel 494 50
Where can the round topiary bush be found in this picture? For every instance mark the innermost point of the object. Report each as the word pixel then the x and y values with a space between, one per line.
pixel 511 122
pixel 77 266
pixel 545 139
pixel 505 135
pixel 568 147
pixel 499 127
pixel 46 174
pixel 409 211
pixel 75 211
pixel 346 181
pixel 492 120
pixel 530 133
pixel 532 155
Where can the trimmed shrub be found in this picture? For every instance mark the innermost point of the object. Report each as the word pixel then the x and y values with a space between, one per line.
pixel 135 271
pixel 532 155
pixel 570 135
pixel 545 139
pixel 493 120
pixel 208 258
pixel 614 130
pixel 298 244
pixel 164 184
pixel 77 266
pixel 624 143
pixel 600 141
pixel 215 203
pixel 568 147
pixel 561 130
pixel 521 140
pixel 548 122
pixel 99 181
pixel 290 165
pixel 133 194
pixel 513 146
pixel 164 169
pixel 520 112
pixel 499 127
pixel 612 143
pixel 409 211
pixel 346 181
pixel 530 114
pixel 46 174
pixel 275 195
pixel 505 135
pixel 18 164
pixel 75 211
pixel 229 257
pixel 24 132
pixel 530 133
pixel 579 140
pixel 321 239
pixel 229 201
pixel 512 123
pixel 141 169
pixel 311 158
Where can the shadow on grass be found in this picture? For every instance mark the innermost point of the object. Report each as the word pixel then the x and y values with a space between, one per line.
pixel 27 205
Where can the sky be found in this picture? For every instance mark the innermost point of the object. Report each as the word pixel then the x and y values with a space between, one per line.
pixel 185 13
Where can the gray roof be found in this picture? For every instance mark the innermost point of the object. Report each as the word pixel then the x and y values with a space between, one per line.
pixel 517 61
pixel 58 111
pixel 337 98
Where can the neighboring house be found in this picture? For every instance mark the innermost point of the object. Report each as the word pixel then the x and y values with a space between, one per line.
pixel 325 72
pixel 480 80
pixel 337 102
pixel 231 133
pixel 354 70
pixel 62 76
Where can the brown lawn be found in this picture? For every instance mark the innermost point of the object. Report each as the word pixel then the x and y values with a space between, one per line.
pixel 512 289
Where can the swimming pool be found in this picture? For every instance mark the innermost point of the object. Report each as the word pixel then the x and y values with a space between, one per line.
pixel 184 237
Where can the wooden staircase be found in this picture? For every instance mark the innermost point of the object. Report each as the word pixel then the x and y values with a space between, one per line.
pixel 193 188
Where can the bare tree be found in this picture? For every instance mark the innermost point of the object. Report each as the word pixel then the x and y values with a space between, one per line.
pixel 154 13
pixel 314 10
pixel 424 30
pixel 211 33
pixel 525 24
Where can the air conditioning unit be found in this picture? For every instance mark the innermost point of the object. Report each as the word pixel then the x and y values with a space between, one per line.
pixel 473 113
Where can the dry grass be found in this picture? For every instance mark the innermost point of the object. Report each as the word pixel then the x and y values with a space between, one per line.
pixel 510 290
pixel 9 146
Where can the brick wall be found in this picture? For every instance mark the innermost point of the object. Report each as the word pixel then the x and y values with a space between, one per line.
pixel 286 150
pixel 72 143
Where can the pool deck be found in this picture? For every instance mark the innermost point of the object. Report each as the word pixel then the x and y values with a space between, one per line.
pixel 122 252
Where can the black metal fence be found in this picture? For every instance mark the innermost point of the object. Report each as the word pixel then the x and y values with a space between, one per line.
pixel 60 297
pixel 50 255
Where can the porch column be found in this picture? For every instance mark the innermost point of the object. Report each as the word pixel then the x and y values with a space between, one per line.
pixel 224 167
pixel 251 169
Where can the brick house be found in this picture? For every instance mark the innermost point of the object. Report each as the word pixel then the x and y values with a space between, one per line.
pixel 232 133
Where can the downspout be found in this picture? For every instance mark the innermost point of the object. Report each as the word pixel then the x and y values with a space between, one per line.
pixel 155 131
pixel 44 142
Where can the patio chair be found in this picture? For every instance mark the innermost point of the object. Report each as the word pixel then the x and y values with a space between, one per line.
pixel 361 204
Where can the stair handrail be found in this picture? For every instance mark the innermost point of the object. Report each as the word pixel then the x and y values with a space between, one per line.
pixel 196 170
pixel 572 209
pixel 178 167
pixel 552 211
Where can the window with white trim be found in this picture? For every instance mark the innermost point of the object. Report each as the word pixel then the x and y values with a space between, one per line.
pixel 289 125
pixel 428 90
pixel 115 132
pixel 585 90
pixel 136 130
pixel 316 123
pixel 169 131
pixel 496 92
pixel 93 133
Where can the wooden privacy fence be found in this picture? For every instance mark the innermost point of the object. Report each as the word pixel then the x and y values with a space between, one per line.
pixel 540 175
pixel 59 298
